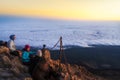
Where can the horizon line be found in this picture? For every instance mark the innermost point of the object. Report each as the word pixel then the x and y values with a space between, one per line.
pixel 53 18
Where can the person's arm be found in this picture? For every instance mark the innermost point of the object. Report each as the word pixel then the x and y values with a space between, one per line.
pixel 32 53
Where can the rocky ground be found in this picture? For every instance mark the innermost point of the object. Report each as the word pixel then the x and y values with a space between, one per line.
pixel 11 68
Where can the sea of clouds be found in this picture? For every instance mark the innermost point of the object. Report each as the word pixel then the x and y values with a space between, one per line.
pixel 37 32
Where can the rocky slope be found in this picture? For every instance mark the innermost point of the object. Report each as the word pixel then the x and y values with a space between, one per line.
pixel 11 68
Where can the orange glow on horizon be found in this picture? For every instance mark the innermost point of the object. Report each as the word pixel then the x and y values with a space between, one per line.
pixel 70 10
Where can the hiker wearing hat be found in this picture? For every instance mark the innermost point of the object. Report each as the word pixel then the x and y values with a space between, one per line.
pixel 12 47
pixel 26 55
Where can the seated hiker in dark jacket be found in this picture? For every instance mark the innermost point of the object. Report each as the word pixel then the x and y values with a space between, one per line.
pixel 35 60
pixel 26 55
pixel 3 43
pixel 4 48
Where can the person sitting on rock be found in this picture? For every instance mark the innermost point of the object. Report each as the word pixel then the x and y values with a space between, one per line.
pixel 12 47
pixel 45 53
pixel 26 55
pixel 35 60
pixel 3 47
pixel 3 43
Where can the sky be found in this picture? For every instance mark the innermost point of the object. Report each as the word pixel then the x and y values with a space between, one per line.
pixel 63 9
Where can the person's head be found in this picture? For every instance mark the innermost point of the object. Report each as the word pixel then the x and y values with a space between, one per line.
pixel 27 47
pixel 39 53
pixel 12 37
pixel 44 45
